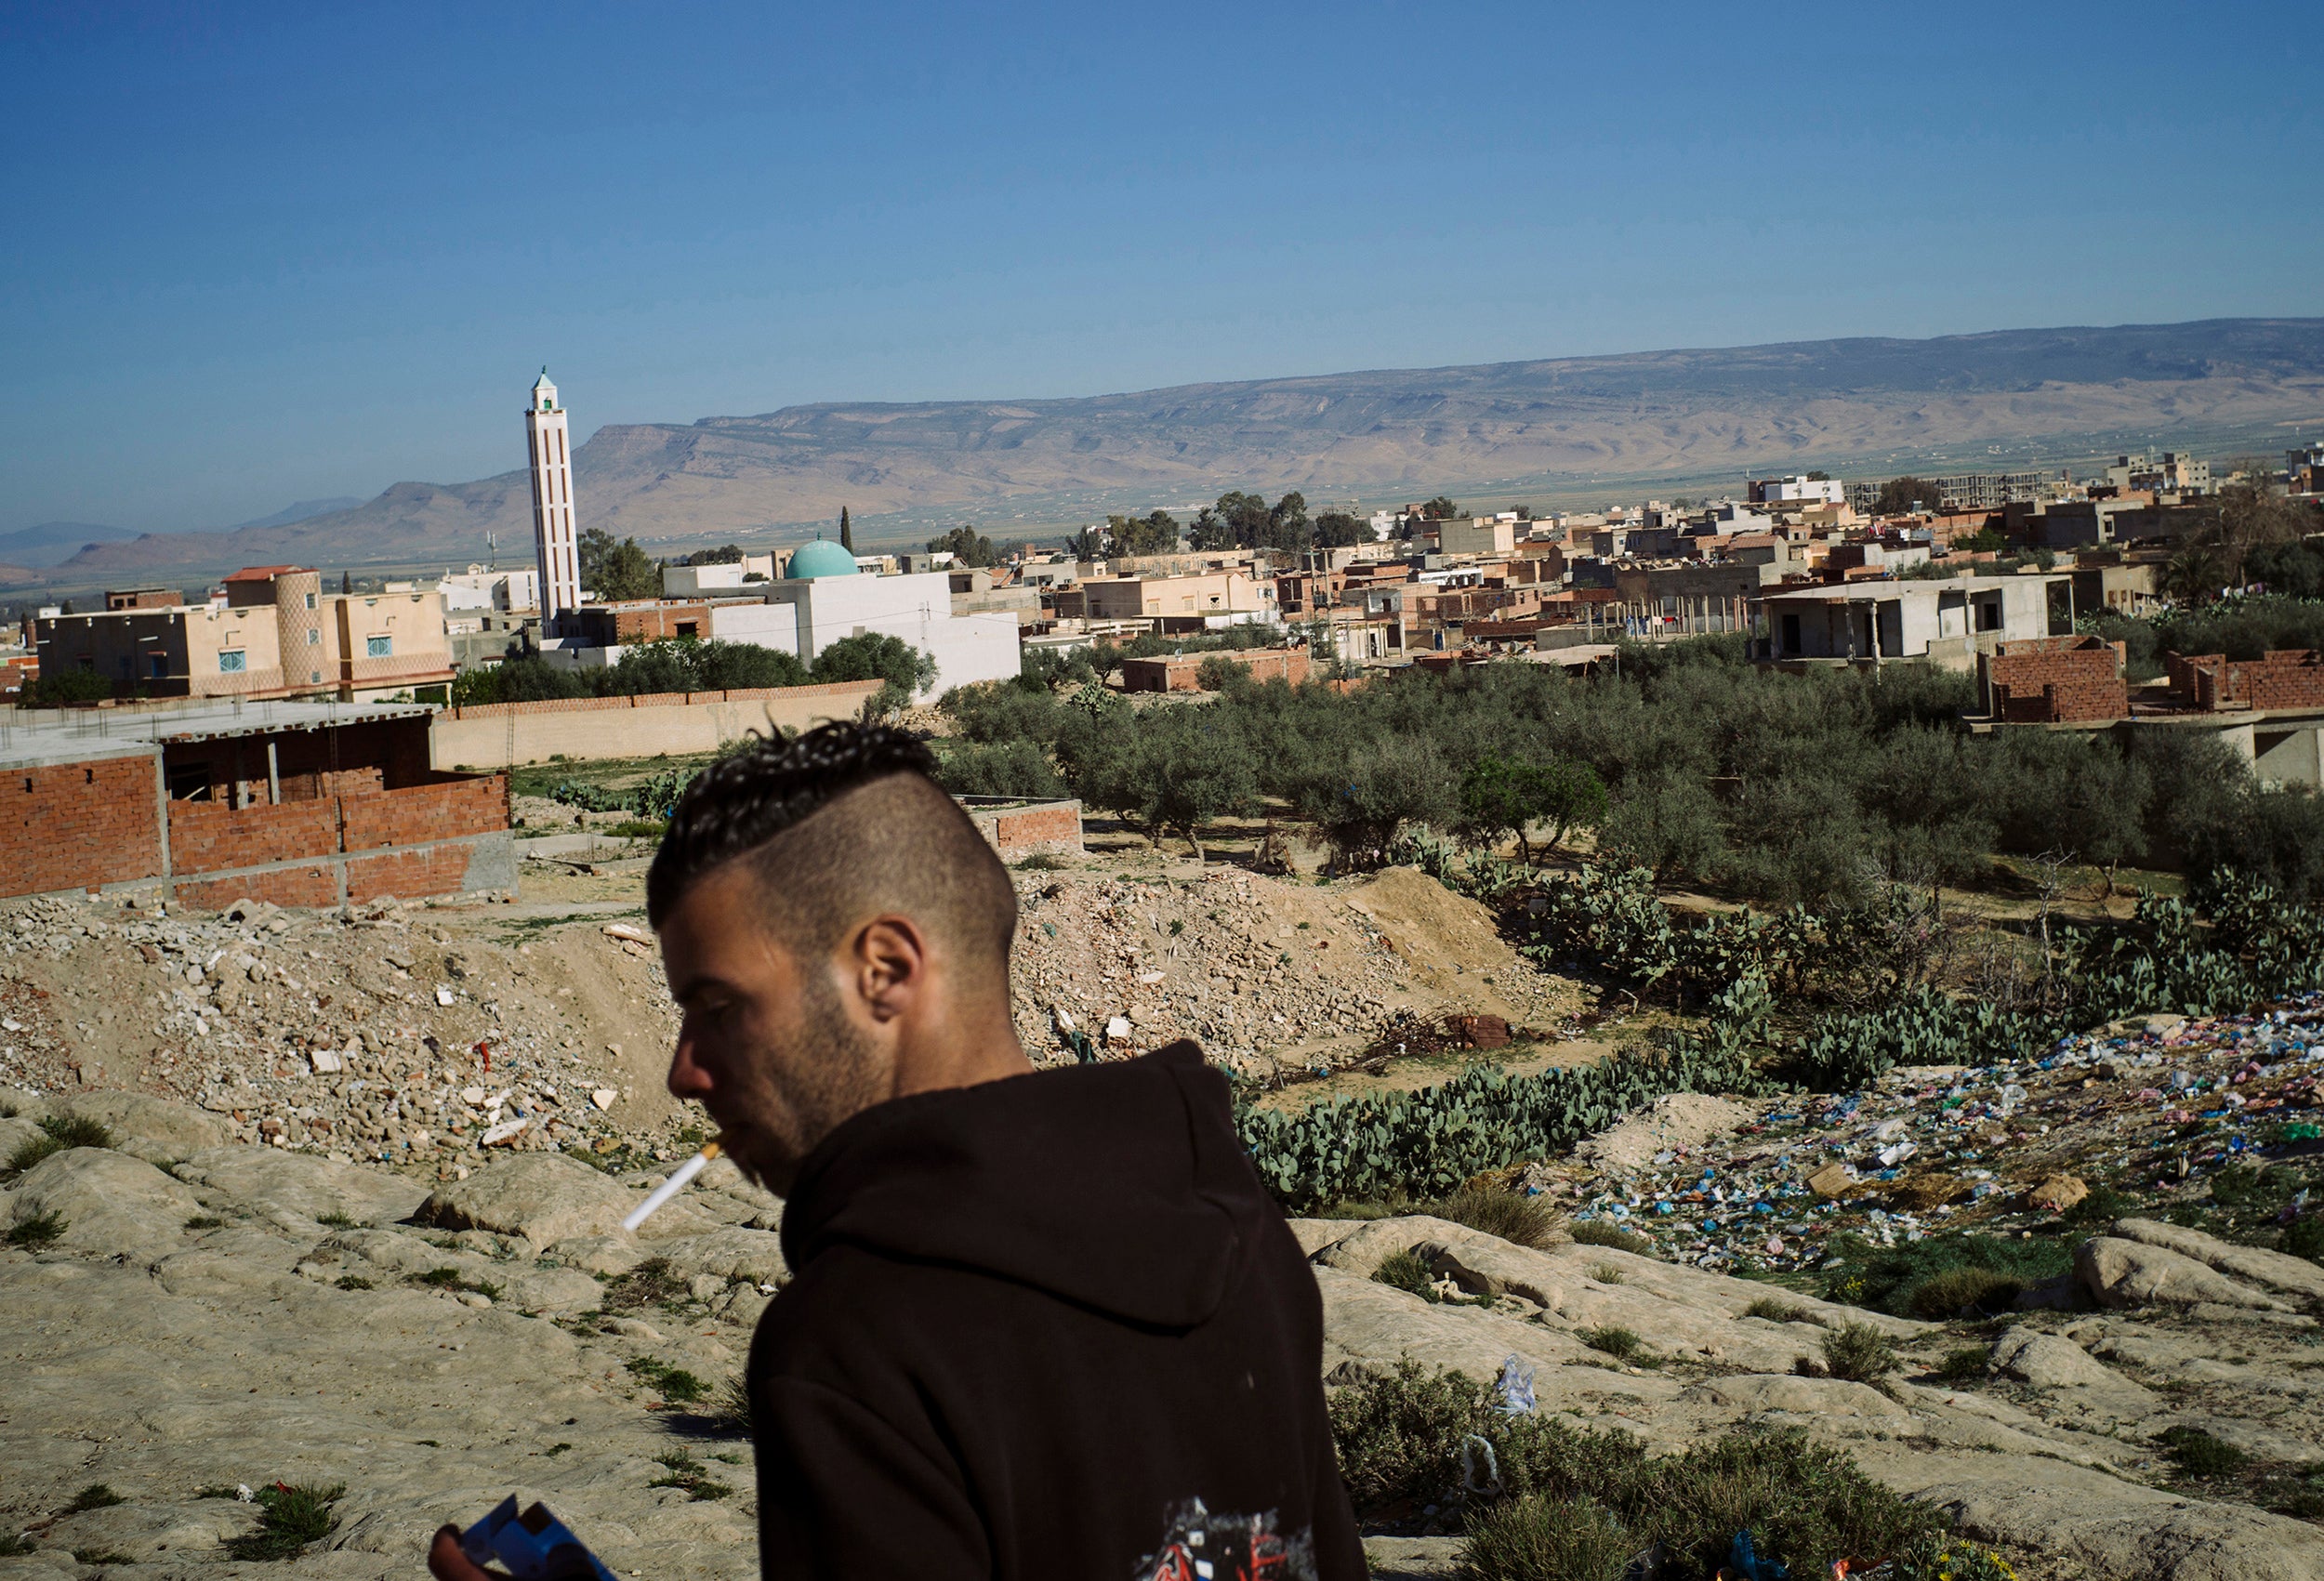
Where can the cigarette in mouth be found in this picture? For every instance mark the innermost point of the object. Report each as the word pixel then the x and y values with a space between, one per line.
pixel 671 1187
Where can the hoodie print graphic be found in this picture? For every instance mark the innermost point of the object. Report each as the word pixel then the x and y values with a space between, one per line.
pixel 1200 1545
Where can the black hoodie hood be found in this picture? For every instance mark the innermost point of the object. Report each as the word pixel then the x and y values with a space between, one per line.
pixel 1066 1181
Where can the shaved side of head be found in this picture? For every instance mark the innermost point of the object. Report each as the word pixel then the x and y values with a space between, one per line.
pixel 838 826
pixel 897 845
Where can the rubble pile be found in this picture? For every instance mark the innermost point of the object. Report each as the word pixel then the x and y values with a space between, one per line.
pixel 420 1034
pixel 383 1035
pixel 2157 1108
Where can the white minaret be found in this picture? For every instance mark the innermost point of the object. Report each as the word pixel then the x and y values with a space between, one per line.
pixel 556 546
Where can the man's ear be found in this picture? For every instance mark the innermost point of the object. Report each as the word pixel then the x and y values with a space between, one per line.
pixel 890 965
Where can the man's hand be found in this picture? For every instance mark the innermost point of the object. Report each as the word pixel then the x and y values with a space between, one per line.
pixel 447 1563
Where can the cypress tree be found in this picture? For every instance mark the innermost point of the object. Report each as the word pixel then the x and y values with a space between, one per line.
pixel 847 533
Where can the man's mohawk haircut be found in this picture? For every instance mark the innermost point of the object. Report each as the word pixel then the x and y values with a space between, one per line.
pixel 746 798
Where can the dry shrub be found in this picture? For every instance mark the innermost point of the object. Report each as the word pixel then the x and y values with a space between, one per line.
pixel 1548 1539
pixel 1519 1219
pixel 1598 1232
pixel 1964 1289
pixel 1859 1353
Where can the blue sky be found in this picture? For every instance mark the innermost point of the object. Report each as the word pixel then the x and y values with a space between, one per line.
pixel 259 253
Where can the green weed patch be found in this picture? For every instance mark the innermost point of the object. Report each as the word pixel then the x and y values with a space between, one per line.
pixel 291 1519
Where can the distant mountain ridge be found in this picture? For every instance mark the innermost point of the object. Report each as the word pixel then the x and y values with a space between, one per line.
pixel 52 543
pixel 29 549
pixel 301 510
pixel 1682 413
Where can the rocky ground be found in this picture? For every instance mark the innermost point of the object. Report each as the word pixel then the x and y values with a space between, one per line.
pixel 211 1315
pixel 352 1223
pixel 215 1317
pixel 2042 1433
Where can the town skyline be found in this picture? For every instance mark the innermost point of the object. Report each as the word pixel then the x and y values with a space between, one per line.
pixel 1568 433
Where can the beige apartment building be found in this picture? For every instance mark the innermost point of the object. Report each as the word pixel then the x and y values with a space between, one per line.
pixel 277 634
pixel 1478 535
pixel 1224 598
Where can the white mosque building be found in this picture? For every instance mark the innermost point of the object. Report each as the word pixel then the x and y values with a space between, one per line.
pixel 825 597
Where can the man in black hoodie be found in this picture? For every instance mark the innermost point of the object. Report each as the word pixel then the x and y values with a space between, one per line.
pixel 1040 1324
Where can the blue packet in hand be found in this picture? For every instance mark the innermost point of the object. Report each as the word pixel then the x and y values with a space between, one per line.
pixel 534 1546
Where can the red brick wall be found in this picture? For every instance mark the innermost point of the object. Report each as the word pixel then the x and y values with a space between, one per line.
pixel 2286 677
pixel 1040 828
pixel 1288 664
pixel 67 825
pixel 2195 680
pixel 2053 680
pixel 315 884
pixel 436 871
pixel 605 624
pixel 82 825
pixel 205 835
pixel 419 814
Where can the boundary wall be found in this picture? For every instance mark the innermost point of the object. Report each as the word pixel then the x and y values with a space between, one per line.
pixel 1019 829
pixel 1180 672
pixel 504 736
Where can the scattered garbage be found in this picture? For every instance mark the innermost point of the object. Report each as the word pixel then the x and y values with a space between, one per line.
pixel 1745 1565
pixel 1489 1483
pixel 1513 1389
pixel 2158 1104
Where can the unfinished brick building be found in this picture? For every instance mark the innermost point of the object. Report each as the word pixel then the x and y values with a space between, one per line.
pixel 2051 681
pixel 2286 677
pixel 303 804
pixel 640 620
pixel 1181 672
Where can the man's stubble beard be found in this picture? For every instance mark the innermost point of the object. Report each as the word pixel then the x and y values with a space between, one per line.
pixel 802 1093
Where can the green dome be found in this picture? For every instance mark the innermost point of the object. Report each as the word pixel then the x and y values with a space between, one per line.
pixel 822 558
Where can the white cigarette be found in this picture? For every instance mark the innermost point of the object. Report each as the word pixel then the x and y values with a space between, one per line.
pixel 671 1187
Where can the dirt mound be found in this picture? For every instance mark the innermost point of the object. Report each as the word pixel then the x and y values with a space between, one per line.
pixel 1265 971
pixel 1441 934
